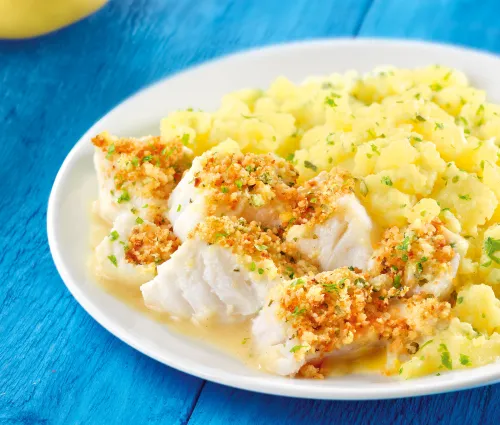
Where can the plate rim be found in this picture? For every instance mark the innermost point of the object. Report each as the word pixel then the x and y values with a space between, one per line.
pixel 479 377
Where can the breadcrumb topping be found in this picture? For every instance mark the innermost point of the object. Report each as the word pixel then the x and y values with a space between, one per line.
pixel 262 250
pixel 255 179
pixel 414 255
pixel 317 199
pixel 335 309
pixel 149 243
pixel 150 166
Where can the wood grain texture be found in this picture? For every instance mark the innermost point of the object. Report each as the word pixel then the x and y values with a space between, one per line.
pixel 58 366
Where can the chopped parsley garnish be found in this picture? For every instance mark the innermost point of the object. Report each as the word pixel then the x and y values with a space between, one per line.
pixel 445 357
pixel 374 148
pixel 386 180
pixel 147 158
pixel 260 271
pixel 420 118
pixel 297 348
pixel 397 281
pixel 465 197
pixel 464 360
pixel 329 139
pixel 135 161
pixel 261 247
pixel 417 139
pixel 439 125
pixel 330 100
pixel 113 260
pixel 124 197
pixel 297 312
pixel 139 220
pixel 179 207
pixel 310 165
pixel 436 87
pixel 185 139
pixel 220 235
pixel 290 157
pixel 424 345
pixel 224 189
pixel 455 179
pixel 360 283
pixel 363 188
pixel 114 235
pixel 480 110
pixel 145 206
pixel 404 245
pixel 111 150
pixel 239 184
pixel 330 287
pixel 491 246
pixel 297 282
pixel 245 340
pixel 252 266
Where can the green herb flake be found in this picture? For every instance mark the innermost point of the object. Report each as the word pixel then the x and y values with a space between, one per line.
pixel 397 281
pixel 224 189
pixel 363 188
pixel 124 197
pixel 420 118
pixel 244 341
pixel 310 165
pixel 297 282
pixel 297 312
pixel 147 158
pixel 114 235
pixel 386 180
pixel 253 267
pixel 425 344
pixel 179 208
pixel 464 360
pixel 111 150
pixel 439 125
pixel 445 357
pixel 239 184
pixel 436 87
pixel 113 260
pixel 260 271
pixel 139 220
pixel 290 157
pixel 404 245
pixel 491 246
pixel 465 197
pixel 261 247
pixel 296 348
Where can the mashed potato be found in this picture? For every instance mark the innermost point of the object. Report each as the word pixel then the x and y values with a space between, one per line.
pixel 421 143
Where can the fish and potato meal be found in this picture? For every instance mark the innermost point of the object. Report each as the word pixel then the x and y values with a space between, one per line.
pixel 343 216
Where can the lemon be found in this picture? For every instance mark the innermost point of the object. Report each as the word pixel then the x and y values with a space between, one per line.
pixel 31 18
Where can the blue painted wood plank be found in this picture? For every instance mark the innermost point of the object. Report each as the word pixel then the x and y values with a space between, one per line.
pixel 223 405
pixel 57 365
pixel 465 22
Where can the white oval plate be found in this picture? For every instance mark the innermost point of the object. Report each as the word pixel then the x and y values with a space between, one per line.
pixel 203 87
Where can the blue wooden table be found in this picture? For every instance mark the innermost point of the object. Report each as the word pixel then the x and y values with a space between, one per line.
pixel 58 366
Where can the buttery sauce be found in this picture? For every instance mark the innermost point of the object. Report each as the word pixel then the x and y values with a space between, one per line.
pixel 234 338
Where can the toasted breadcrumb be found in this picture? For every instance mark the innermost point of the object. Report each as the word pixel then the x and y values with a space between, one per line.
pixel 149 243
pixel 155 163
pixel 422 245
pixel 331 310
pixel 257 179
pixel 316 200
pixel 261 248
